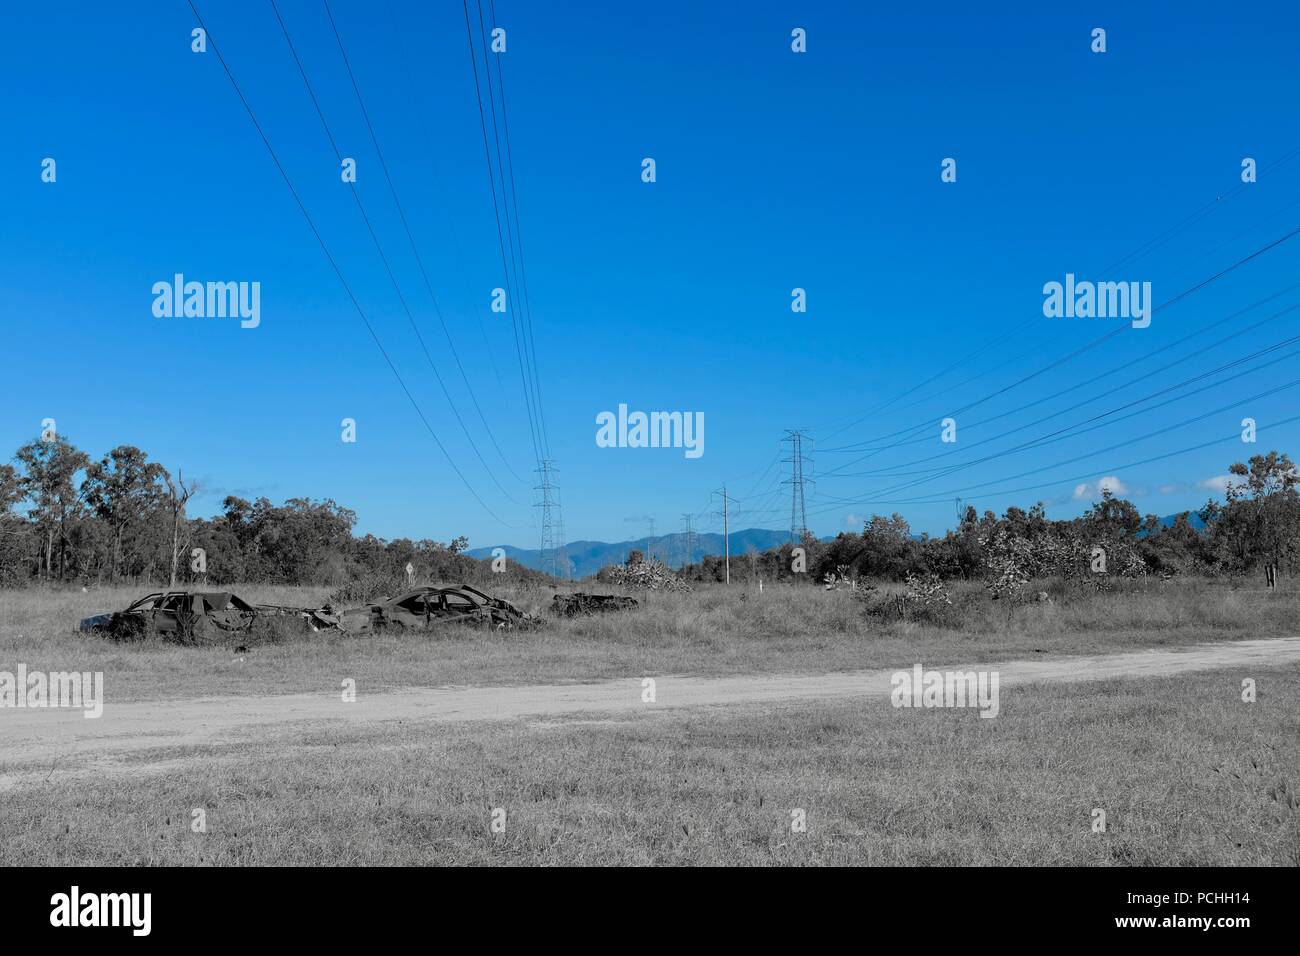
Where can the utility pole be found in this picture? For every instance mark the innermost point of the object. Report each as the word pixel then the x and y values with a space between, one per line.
pixel 726 528
pixel 796 481
pixel 689 550
pixel 552 557
pixel 649 538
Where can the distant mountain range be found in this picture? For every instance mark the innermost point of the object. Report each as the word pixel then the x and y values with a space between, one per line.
pixel 588 557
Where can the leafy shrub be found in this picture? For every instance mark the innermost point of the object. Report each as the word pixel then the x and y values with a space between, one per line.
pixel 925 601
pixel 926 591
pixel 647 575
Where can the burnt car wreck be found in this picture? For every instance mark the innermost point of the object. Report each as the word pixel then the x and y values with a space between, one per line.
pixel 572 605
pixel 183 617
pixel 212 617
pixel 429 607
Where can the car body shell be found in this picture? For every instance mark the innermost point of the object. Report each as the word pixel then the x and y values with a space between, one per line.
pixel 182 616
pixel 424 608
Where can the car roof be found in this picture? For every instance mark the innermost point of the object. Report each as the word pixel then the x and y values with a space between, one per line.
pixel 425 592
pixel 214 599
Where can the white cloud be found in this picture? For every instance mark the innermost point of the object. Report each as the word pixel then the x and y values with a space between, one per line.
pixel 1111 483
pixel 1220 483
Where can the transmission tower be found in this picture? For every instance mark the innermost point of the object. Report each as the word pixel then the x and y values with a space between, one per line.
pixel 553 560
pixel 726 527
pixel 796 481
pixel 686 559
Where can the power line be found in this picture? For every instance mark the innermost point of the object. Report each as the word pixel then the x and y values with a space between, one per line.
pixel 399 37
pixel 501 241
pixel 392 276
pixel 401 212
pixel 334 264
pixel 1045 439
pixel 511 232
pixel 518 233
pixel 1092 380
pixel 1234 437
pixel 513 235
pixel 1146 376
pixel 1138 253
pixel 1082 349
pixel 1201 213
pixel 1141 251
pixel 1077 430
pixel 948 495
pixel 1012 360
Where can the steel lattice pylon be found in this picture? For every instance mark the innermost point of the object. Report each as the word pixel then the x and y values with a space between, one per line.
pixel 553 559
pixel 796 481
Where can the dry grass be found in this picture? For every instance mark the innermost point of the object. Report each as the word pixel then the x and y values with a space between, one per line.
pixel 714 631
pixel 1186 772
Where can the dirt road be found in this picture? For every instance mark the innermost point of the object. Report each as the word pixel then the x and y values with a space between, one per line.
pixel 66 738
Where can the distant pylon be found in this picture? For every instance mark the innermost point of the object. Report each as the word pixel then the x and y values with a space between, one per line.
pixel 726 529
pixel 796 481
pixel 686 559
pixel 553 560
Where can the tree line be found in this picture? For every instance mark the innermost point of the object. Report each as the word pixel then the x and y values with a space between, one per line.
pixel 65 517
pixel 1256 529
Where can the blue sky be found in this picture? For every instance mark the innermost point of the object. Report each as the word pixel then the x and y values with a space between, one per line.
pixel 775 170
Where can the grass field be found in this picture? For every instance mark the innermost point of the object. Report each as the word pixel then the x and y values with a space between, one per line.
pixel 714 631
pixel 1186 772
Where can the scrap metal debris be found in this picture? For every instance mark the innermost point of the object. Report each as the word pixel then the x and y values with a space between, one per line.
pixel 317 618
pixel 571 605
